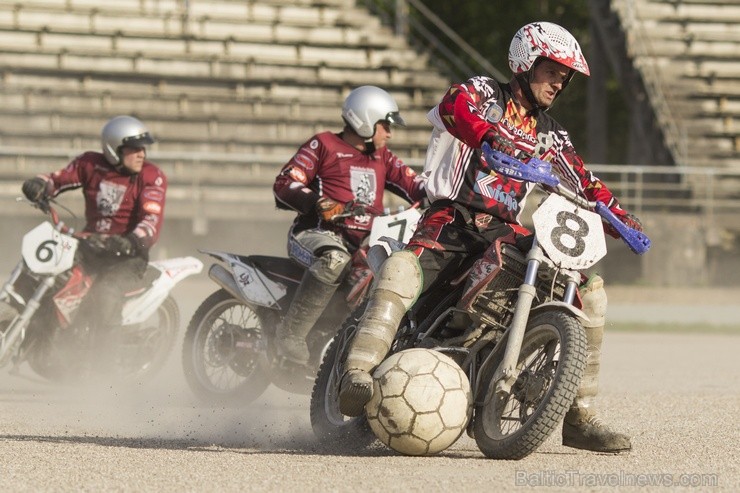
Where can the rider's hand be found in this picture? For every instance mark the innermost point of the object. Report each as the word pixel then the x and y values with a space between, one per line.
pixel 120 246
pixel 499 143
pixel 110 245
pixel 631 221
pixel 34 189
pixel 328 209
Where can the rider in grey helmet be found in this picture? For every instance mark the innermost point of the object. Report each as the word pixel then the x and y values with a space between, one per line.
pixel 328 172
pixel 124 209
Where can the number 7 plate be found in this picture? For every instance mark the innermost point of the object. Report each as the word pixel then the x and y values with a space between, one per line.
pixel 572 237
pixel 399 226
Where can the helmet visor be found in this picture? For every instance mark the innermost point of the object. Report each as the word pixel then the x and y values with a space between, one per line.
pixel 141 140
pixel 394 118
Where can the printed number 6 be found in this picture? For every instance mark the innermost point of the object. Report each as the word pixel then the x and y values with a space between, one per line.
pixel 44 253
pixel 564 230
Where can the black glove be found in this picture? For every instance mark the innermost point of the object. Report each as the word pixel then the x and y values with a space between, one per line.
pixel 499 143
pixel 113 245
pixel 34 189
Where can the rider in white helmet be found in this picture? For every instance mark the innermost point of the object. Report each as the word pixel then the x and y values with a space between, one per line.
pixel 330 171
pixel 473 207
pixel 124 209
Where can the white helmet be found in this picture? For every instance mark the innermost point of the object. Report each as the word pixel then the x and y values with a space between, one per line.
pixel 545 39
pixel 123 131
pixel 366 106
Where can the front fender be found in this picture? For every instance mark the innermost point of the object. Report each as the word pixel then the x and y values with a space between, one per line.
pixel 560 306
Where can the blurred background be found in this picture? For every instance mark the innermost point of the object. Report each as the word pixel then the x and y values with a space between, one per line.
pixel 231 88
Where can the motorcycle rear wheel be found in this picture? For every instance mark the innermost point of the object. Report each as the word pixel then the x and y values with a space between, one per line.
pixel 329 425
pixel 552 359
pixel 224 354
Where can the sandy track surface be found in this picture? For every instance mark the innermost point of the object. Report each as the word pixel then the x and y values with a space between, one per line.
pixel 677 395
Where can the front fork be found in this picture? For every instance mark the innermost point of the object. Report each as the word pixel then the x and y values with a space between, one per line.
pixel 506 372
pixel 17 329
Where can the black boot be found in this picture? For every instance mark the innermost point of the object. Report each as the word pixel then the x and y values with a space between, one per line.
pixel 308 304
pixel 583 430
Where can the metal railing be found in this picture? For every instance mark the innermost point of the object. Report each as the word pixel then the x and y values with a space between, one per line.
pixel 407 23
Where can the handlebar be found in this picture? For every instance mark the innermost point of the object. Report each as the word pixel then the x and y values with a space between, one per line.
pixel 45 205
pixel 540 172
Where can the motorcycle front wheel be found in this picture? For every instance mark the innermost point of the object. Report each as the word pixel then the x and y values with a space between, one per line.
pixel 329 425
pixel 512 425
pixel 224 354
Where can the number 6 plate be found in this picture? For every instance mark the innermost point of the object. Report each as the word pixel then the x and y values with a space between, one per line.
pixel 572 237
pixel 47 251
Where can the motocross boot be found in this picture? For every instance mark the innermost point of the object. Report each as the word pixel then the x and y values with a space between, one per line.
pixel 398 285
pixel 582 429
pixel 307 306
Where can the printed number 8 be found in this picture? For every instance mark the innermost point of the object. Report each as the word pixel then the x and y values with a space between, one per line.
pixel 564 230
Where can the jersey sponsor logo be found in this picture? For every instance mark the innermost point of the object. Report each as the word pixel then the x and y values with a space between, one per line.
pixel 159 181
pixel 303 160
pixel 485 186
pixel 363 184
pixel 297 174
pixel 314 144
pixel 109 198
pixel 342 155
pixel 494 113
pixel 103 225
pixel 152 207
pixel 152 194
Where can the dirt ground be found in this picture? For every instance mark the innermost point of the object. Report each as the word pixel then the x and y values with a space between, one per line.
pixel 677 395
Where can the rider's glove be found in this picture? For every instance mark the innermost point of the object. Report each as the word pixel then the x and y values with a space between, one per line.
pixel 328 209
pixel 499 143
pixel 34 189
pixel 631 221
pixel 110 245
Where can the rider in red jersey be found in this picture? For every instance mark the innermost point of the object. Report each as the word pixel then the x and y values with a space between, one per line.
pixel 328 174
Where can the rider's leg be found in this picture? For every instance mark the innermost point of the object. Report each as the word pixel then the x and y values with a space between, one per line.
pixel 317 287
pixel 581 427
pixel 102 308
pixel 398 284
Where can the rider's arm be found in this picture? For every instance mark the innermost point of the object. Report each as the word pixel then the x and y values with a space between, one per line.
pixel 291 188
pixel 150 211
pixel 402 180
pixel 69 177
pixel 460 109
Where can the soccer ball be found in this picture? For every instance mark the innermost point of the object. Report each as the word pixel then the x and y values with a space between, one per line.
pixel 421 402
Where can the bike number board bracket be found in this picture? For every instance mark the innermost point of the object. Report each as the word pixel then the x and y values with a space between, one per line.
pixel 47 251
pixel 572 237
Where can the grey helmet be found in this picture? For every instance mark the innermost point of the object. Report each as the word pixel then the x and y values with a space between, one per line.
pixel 367 105
pixel 123 131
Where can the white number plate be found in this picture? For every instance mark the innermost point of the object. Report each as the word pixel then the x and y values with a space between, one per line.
pixel 47 251
pixel 572 237
pixel 398 226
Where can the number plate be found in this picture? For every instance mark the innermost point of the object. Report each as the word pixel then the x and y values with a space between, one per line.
pixel 572 237
pixel 47 251
pixel 399 226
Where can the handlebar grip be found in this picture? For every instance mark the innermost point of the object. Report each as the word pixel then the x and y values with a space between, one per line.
pixel 637 241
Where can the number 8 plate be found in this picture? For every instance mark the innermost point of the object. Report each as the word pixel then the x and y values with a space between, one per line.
pixel 572 237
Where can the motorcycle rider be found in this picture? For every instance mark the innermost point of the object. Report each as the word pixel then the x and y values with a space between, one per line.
pixel 472 207
pixel 124 209
pixel 328 172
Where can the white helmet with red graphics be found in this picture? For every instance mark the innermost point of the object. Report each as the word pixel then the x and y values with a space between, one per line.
pixel 548 40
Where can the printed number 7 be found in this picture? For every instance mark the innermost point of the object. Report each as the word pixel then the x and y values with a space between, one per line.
pixel 402 229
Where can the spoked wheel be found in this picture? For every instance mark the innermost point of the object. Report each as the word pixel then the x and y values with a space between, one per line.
pixel 329 425
pixel 551 362
pixel 225 351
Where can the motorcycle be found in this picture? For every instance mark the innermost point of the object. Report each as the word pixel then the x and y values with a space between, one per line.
pixel 39 300
pixel 229 354
pixel 522 345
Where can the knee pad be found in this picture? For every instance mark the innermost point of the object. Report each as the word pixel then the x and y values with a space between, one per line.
pixel 593 297
pixel 401 274
pixel 330 265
